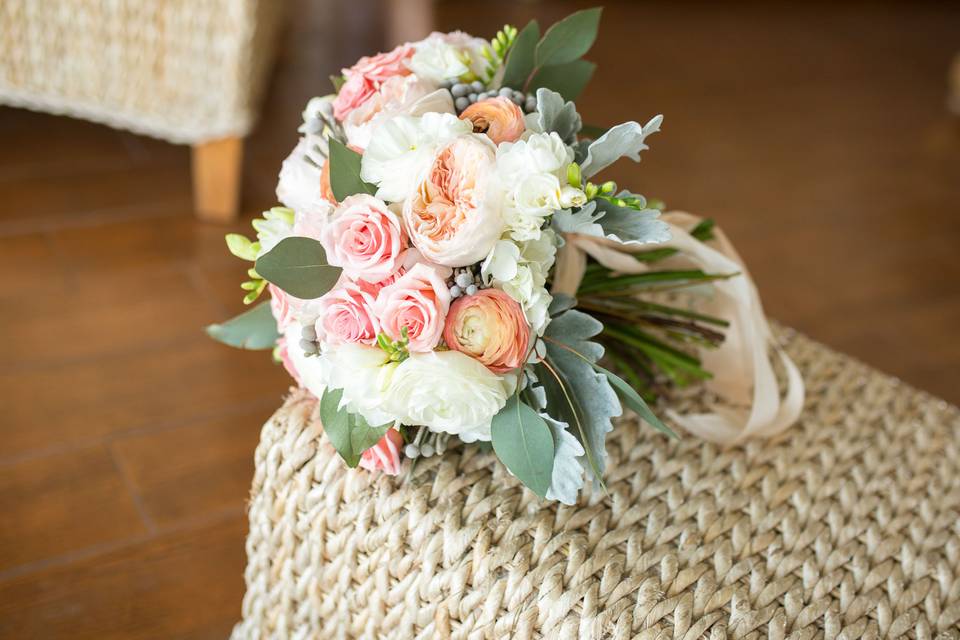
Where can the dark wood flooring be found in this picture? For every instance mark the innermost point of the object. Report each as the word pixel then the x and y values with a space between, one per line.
pixel 815 133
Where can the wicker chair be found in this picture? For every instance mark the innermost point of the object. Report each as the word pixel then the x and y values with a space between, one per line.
pixel 186 71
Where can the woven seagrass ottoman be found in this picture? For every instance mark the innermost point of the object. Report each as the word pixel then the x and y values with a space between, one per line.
pixel 845 526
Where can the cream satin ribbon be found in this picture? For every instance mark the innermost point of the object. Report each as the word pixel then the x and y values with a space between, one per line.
pixel 743 376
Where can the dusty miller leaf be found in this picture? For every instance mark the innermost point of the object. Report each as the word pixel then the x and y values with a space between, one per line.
pixel 554 114
pixel 582 397
pixel 567 477
pixel 625 139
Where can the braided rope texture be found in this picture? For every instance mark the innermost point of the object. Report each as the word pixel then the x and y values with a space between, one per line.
pixel 846 526
pixel 181 70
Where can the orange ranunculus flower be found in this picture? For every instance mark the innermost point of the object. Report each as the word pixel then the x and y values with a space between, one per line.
pixel 490 327
pixel 499 118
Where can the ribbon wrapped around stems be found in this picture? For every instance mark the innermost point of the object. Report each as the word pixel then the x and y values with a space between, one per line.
pixel 743 375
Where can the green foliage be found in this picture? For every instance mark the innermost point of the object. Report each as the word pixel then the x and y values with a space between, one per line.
pixel 349 433
pixel 338 82
pixel 524 443
pixel 242 247
pixel 395 349
pixel 568 79
pixel 568 39
pixel 522 57
pixel 625 139
pixel 299 266
pixel 576 393
pixel 633 400
pixel 254 329
pixel 555 61
pixel 345 177
pixel 497 51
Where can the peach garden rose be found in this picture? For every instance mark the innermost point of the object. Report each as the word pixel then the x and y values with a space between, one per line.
pixel 364 237
pixel 453 217
pixel 489 326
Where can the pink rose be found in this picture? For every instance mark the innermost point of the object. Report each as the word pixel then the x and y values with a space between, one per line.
pixel 418 300
pixel 284 355
pixel 364 237
pixel 283 306
pixel 365 78
pixel 499 118
pixel 345 314
pixel 453 217
pixel 489 326
pixel 385 455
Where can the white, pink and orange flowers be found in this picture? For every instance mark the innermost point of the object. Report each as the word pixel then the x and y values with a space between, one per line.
pixel 410 269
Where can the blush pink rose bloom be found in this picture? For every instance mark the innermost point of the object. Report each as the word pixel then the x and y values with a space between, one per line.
pixel 345 314
pixel 365 78
pixel 490 327
pixel 453 217
pixel 397 95
pixel 283 306
pixel 499 118
pixel 385 455
pixel 419 301
pixel 364 238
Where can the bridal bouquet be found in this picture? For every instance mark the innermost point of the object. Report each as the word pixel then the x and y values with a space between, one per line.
pixel 421 276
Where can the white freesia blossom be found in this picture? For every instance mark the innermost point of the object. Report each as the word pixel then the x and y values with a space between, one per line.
pixel 520 270
pixel 572 197
pixel 531 173
pixel 316 114
pixel 448 392
pixel 402 149
pixel 444 56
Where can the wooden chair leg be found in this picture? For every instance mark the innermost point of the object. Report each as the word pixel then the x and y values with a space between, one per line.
pixel 217 167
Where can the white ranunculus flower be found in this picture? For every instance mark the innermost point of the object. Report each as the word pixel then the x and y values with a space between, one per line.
pixel 521 272
pixel 449 392
pixel 362 372
pixel 402 148
pixel 444 56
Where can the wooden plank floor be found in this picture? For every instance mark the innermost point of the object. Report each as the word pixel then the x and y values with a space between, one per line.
pixel 816 134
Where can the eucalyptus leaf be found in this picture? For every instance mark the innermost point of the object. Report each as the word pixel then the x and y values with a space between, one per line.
pixel 567 477
pixel 568 39
pixel 625 139
pixel 521 57
pixel 558 116
pixel 349 433
pixel 634 401
pixel 568 79
pixel 254 329
pixel 524 443
pixel 299 266
pixel 345 177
